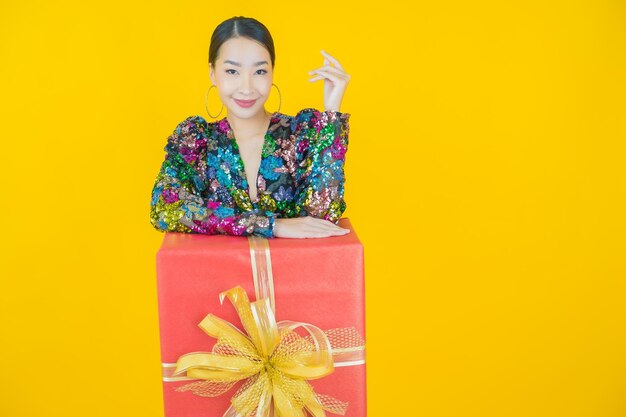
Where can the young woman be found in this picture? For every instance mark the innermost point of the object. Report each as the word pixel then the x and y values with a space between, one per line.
pixel 253 172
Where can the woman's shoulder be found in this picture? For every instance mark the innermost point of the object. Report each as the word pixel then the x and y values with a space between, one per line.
pixel 304 117
pixel 306 113
pixel 312 112
pixel 195 123
pixel 196 126
pixel 192 134
pixel 311 116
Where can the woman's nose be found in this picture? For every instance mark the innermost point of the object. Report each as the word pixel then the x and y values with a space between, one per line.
pixel 245 84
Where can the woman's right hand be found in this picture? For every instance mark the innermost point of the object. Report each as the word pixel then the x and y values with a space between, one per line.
pixel 305 227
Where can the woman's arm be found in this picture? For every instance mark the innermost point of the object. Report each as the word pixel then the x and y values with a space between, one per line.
pixel 321 141
pixel 179 200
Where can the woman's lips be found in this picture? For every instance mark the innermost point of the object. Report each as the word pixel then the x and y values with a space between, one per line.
pixel 245 103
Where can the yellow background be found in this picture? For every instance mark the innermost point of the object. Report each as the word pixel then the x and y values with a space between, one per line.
pixel 485 178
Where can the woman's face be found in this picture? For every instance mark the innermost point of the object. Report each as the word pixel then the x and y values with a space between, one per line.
pixel 243 71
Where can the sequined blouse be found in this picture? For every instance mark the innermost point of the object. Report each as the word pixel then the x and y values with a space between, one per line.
pixel 201 186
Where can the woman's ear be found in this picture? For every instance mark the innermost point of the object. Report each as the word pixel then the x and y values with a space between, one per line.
pixel 212 74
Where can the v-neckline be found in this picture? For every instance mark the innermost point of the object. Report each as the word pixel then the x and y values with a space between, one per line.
pixel 230 134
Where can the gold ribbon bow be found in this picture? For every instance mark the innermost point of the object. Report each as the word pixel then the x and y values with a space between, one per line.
pixel 272 357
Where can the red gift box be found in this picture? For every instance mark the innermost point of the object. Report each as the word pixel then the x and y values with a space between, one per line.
pixel 318 281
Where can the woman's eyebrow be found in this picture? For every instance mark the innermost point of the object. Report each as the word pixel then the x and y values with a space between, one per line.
pixel 228 61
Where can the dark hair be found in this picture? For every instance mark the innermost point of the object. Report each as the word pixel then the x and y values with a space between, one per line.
pixel 237 26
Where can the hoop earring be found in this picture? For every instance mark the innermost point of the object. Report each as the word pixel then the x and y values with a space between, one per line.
pixel 206 104
pixel 280 97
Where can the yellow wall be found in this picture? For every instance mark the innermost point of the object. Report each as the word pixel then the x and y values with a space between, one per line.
pixel 484 176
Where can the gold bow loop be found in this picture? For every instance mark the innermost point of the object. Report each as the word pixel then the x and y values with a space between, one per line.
pixel 272 357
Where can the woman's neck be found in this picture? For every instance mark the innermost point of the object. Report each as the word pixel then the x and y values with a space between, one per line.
pixel 250 127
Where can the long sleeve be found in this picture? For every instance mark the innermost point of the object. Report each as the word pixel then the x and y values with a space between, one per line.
pixel 321 141
pixel 181 199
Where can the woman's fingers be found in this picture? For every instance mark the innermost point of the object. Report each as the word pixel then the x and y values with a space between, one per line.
pixel 331 69
pixel 335 80
pixel 326 70
pixel 326 228
pixel 325 225
pixel 345 77
pixel 307 226
pixel 322 222
pixel 324 233
pixel 331 59
pixel 331 76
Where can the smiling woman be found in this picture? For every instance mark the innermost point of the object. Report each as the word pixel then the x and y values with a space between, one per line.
pixel 253 172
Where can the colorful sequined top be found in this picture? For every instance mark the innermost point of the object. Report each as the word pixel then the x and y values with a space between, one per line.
pixel 202 186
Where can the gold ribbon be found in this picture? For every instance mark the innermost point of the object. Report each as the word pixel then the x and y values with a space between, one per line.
pixel 272 357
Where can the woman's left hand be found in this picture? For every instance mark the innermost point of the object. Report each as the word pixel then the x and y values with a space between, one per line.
pixel 335 81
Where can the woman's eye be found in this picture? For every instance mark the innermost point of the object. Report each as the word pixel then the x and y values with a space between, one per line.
pixel 234 71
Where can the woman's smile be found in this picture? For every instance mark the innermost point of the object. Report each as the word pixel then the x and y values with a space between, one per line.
pixel 245 103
